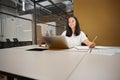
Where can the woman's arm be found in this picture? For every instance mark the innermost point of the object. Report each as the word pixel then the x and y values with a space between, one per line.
pixel 89 43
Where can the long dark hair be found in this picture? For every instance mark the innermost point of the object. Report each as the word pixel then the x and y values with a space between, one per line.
pixel 69 30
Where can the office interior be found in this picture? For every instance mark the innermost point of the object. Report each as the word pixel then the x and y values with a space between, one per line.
pixel 28 20
pixel 20 20
pixel 24 22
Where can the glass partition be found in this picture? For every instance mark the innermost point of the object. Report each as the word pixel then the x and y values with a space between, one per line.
pixel 15 27
pixel 45 18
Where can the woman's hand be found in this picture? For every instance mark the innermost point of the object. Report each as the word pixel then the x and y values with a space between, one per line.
pixel 91 45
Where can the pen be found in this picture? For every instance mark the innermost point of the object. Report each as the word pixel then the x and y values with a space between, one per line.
pixel 95 38
pixel 92 41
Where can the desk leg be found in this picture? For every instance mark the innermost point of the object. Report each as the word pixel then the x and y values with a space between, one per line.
pixel 10 78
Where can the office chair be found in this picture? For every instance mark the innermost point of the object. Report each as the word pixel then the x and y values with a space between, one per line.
pixel 8 43
pixel 16 42
pixel 1 45
pixel 83 44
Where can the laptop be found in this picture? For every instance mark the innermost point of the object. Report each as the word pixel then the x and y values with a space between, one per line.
pixel 56 42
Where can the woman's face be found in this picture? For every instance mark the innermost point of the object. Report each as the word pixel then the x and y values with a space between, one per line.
pixel 71 22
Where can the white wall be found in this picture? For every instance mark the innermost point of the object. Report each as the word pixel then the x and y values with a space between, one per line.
pixel 51 29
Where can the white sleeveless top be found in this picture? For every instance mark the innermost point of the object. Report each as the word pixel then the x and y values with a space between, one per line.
pixel 74 40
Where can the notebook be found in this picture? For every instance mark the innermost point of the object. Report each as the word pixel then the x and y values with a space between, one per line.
pixel 56 42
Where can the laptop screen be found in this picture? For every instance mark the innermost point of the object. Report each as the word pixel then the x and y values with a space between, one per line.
pixel 56 42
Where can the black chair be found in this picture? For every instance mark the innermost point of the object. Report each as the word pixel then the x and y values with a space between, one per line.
pixel 83 44
pixel 1 44
pixel 16 42
pixel 8 43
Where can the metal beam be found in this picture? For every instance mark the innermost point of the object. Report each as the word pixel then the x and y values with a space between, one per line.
pixel 57 7
pixel 52 13
pixel 49 11
pixel 35 26
pixel 2 4
pixel 46 10
pixel 37 1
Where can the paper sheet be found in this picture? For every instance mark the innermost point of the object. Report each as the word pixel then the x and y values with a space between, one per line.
pixel 106 51
pixel 100 50
pixel 81 47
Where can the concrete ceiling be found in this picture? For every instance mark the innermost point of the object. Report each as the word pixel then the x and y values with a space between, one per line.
pixel 45 7
pixel 53 10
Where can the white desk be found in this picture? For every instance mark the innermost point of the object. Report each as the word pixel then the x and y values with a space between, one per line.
pixel 98 67
pixel 41 65
pixel 60 65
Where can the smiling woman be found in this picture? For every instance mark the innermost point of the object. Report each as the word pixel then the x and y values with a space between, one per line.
pixel 74 35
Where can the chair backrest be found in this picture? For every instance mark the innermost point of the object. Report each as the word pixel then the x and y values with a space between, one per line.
pixel 16 42
pixel 83 44
pixel 8 43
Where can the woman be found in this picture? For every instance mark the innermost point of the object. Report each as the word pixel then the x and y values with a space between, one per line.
pixel 74 35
